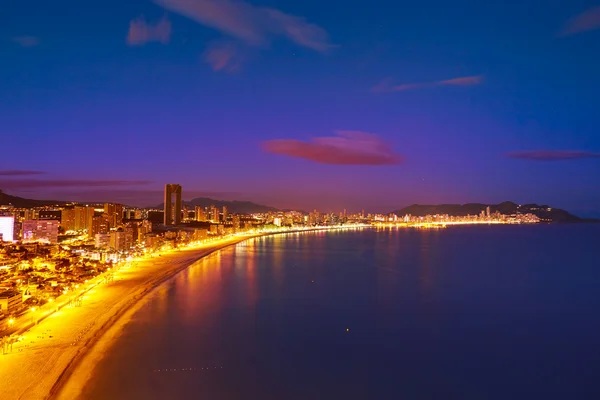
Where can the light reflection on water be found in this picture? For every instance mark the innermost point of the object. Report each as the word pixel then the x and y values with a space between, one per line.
pixel 377 314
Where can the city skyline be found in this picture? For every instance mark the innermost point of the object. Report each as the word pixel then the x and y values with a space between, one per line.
pixel 303 105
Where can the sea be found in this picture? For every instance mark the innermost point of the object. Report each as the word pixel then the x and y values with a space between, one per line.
pixel 467 312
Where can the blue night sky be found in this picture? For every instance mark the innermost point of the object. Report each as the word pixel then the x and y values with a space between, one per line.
pixel 374 104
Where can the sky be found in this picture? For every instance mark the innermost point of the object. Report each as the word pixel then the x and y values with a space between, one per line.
pixel 362 104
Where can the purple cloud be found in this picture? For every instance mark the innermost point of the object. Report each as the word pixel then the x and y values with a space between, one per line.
pixel 26 41
pixel 224 56
pixel 141 32
pixel 588 20
pixel 19 172
pixel 552 155
pixel 255 26
pixel 387 86
pixel 348 148
pixel 40 183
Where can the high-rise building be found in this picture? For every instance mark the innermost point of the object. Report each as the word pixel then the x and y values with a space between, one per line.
pixel 114 213
pixel 7 228
pixel 37 230
pixel 200 214
pixel 172 209
pixel 224 214
pixel 83 218
pixel 214 214
pixel 100 224
pixel 236 222
pixel 67 219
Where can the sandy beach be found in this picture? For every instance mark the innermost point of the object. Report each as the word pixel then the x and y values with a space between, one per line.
pixel 57 356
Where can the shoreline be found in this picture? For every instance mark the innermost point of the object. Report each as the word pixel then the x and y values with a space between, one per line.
pixel 78 368
pixel 66 387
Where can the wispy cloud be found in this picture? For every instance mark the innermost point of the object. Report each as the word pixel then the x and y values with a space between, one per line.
pixel 19 172
pixel 41 183
pixel 255 26
pixel 387 86
pixel 142 32
pixel 552 155
pixel 26 41
pixel 588 20
pixel 347 148
pixel 224 56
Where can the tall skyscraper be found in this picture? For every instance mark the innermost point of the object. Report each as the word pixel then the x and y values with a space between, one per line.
pixel 224 214
pixel 172 208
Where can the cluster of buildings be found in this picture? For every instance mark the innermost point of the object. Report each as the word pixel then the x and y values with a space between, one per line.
pixel 45 251
pixel 484 217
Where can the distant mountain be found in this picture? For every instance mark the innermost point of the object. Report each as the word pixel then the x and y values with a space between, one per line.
pixel 19 202
pixel 459 210
pixel 241 207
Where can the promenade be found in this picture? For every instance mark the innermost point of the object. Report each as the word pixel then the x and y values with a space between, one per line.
pixel 42 361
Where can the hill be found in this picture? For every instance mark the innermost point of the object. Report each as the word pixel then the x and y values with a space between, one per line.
pixel 20 202
pixel 241 207
pixel 508 208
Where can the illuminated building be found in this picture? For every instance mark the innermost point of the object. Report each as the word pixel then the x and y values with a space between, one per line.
pixel 236 223
pixel 100 224
pixel 49 214
pixel 172 209
pixel 67 219
pixel 83 218
pixel 7 228
pixel 102 240
pixel 118 240
pixel 114 213
pixel 10 301
pixel 214 214
pixel 200 214
pixel 37 230
pixel 224 214
pixel 144 229
pixel 200 234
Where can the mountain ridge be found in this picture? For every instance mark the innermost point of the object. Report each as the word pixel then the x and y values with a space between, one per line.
pixel 20 202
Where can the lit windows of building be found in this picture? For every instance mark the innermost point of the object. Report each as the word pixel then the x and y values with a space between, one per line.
pixel 38 230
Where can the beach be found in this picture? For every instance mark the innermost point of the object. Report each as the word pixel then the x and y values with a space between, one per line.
pixel 70 340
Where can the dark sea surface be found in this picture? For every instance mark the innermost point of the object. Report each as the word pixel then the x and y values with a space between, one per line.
pixel 474 312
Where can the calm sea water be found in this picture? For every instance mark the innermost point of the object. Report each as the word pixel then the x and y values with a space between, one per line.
pixel 498 312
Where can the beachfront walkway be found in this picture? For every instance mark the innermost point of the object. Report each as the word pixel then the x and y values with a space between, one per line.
pixel 36 363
